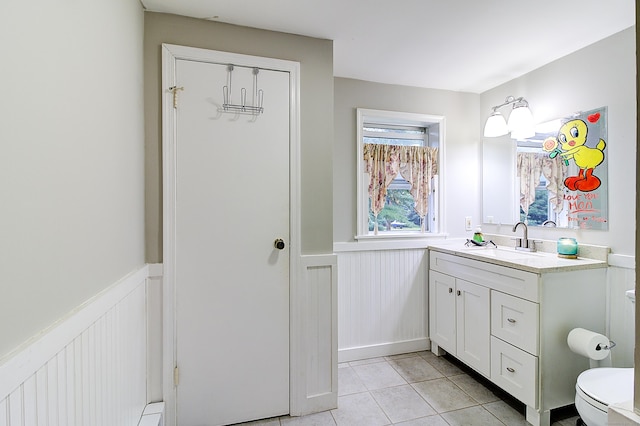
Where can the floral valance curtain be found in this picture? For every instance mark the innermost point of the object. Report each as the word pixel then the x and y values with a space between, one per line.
pixel 530 166
pixel 417 165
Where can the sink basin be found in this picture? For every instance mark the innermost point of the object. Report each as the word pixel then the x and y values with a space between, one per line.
pixel 500 252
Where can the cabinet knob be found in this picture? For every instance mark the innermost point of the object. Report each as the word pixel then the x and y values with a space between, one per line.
pixel 511 370
pixel 511 320
pixel 459 292
pixel 450 290
pixel 279 244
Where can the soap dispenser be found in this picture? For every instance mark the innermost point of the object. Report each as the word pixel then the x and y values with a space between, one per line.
pixel 477 235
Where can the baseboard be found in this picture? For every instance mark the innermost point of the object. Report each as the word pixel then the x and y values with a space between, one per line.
pixel 383 349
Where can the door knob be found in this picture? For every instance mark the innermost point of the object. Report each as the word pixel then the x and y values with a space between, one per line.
pixel 279 243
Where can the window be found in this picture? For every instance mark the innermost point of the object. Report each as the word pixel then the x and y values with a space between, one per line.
pixel 403 150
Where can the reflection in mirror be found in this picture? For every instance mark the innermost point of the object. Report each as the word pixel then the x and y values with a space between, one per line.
pixel 556 178
pixel 498 181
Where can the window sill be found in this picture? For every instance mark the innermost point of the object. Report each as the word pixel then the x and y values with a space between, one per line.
pixel 387 242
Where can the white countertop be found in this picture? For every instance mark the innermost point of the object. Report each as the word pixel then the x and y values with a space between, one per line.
pixel 537 261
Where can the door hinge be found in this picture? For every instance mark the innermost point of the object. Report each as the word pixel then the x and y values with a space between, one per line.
pixel 174 90
pixel 176 376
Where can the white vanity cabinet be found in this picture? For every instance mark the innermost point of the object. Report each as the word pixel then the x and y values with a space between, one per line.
pixel 510 322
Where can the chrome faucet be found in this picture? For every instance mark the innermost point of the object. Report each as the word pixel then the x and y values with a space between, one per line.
pixel 523 243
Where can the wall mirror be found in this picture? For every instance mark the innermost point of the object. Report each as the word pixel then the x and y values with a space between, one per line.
pixel 556 178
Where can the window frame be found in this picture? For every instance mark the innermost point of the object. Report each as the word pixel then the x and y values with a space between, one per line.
pixel 364 115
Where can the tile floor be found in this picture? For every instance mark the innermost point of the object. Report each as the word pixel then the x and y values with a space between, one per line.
pixel 417 389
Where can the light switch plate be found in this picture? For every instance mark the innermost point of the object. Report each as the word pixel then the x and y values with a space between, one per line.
pixel 467 223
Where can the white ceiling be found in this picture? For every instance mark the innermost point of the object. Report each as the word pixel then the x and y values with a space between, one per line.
pixel 461 45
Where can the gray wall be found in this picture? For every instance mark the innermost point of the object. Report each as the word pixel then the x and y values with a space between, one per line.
pixel 316 87
pixel 462 147
pixel 71 168
pixel 603 74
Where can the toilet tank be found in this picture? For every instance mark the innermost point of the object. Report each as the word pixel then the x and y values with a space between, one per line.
pixel 631 294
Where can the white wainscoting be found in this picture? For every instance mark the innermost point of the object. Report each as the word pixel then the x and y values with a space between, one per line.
pixel 382 302
pixel 89 369
pixel 314 340
pixel 621 277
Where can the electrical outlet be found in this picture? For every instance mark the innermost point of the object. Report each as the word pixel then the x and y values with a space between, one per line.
pixel 467 223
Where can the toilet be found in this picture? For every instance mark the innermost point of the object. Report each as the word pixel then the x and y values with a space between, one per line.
pixel 597 388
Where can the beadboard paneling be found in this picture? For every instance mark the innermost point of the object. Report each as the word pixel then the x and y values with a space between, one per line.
pixel 621 314
pixel 314 337
pixel 382 303
pixel 90 369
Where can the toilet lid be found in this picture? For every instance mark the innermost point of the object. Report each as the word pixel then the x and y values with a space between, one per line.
pixel 607 385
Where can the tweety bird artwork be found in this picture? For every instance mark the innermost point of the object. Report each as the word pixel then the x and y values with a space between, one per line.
pixel 570 144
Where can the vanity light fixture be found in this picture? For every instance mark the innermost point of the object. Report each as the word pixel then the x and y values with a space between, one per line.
pixel 496 125
pixel 520 123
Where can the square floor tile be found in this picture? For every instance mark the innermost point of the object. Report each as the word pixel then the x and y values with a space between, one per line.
pixel 415 369
pixel 443 365
pixel 366 361
pixel 443 395
pixel 425 421
pixel 402 403
pixel 472 416
pixel 506 413
pixel 349 382
pixel 416 389
pixel 359 409
pixel 474 388
pixel 400 356
pixel 379 375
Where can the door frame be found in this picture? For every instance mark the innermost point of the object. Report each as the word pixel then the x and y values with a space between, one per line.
pixel 170 54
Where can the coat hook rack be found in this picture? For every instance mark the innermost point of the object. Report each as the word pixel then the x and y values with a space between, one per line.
pixel 258 98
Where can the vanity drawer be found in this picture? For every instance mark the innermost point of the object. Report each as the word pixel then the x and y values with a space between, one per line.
pixel 515 321
pixel 509 280
pixel 515 371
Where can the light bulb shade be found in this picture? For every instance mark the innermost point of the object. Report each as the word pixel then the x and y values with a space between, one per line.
pixel 521 123
pixel 495 126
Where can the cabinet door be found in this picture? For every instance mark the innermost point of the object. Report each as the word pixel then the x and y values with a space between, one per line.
pixel 442 311
pixel 473 326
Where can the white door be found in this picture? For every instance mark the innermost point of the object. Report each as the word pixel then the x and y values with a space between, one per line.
pixel 231 283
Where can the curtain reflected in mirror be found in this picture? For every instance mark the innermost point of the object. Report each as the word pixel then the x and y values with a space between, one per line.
pixel 541 187
pixel 556 178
